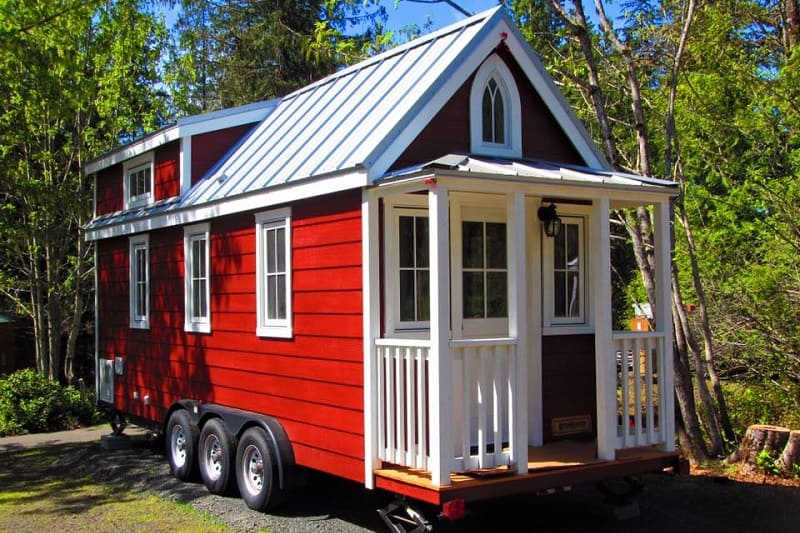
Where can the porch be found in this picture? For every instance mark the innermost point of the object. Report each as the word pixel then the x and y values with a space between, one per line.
pixel 454 375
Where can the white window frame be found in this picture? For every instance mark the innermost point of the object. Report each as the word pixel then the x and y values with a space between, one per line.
pixel 495 68
pixel 144 162
pixel 474 208
pixel 411 205
pixel 273 327
pixel 139 243
pixel 192 234
pixel 553 325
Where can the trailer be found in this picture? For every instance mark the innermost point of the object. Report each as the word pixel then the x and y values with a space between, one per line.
pixel 398 275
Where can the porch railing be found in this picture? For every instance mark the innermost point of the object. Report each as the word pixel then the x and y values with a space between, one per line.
pixel 640 367
pixel 484 392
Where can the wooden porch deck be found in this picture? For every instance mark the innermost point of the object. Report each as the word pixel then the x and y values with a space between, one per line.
pixel 552 466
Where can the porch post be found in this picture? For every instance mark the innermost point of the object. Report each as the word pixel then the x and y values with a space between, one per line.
pixel 603 343
pixel 517 320
pixel 662 213
pixel 441 374
pixel 371 324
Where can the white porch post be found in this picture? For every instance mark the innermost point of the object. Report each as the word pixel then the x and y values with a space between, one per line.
pixel 662 214
pixel 604 345
pixel 517 320
pixel 371 316
pixel 441 373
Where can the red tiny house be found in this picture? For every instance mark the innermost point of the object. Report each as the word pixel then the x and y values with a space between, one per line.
pixel 327 282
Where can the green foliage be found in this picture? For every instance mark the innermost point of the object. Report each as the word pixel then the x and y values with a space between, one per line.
pixel 31 403
pixel 767 463
pixel 750 404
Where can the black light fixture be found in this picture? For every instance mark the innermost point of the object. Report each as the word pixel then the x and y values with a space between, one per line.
pixel 549 217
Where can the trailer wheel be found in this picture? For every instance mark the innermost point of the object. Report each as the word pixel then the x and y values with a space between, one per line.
pixel 257 471
pixel 217 451
pixel 182 445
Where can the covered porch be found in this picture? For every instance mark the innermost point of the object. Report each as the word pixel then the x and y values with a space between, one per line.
pixel 453 396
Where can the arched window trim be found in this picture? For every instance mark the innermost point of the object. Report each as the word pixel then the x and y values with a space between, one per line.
pixel 494 67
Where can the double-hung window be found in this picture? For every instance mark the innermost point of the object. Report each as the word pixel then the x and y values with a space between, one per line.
pixel 139 282
pixel 565 274
pixel 139 181
pixel 274 273
pixel 197 280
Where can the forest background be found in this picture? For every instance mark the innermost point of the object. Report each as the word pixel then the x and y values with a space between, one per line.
pixel 701 92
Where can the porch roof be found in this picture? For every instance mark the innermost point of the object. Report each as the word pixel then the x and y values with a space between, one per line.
pixel 466 165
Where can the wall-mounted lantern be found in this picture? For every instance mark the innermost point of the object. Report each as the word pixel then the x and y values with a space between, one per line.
pixel 549 217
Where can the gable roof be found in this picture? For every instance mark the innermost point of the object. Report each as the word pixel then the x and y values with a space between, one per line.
pixel 346 130
pixel 355 123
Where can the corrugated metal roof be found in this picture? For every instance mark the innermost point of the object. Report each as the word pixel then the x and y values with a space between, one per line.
pixel 339 122
pixel 529 168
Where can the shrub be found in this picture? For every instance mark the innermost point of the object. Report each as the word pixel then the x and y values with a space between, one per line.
pixel 31 403
pixel 750 404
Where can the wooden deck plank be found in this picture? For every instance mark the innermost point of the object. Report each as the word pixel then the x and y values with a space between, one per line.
pixel 553 465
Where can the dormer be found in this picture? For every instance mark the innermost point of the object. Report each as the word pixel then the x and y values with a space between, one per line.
pixel 138 183
pixel 495 111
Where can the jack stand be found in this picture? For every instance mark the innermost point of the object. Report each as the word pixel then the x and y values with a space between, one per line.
pixel 399 513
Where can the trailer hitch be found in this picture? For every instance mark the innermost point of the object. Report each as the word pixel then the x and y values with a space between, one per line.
pixel 399 514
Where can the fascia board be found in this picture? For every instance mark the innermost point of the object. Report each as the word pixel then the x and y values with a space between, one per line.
pixel 264 198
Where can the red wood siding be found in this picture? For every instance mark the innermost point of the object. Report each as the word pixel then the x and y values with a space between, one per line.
pixel 568 381
pixel 167 170
pixel 208 148
pixel 449 131
pixel 312 383
pixel 108 190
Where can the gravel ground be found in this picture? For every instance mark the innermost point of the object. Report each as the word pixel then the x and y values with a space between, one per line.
pixel 668 504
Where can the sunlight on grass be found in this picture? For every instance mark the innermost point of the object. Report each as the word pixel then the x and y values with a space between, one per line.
pixel 36 498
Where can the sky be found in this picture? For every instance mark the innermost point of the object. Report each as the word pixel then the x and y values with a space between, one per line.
pixel 441 14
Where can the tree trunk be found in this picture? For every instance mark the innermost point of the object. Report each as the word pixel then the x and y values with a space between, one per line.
pixel 789 461
pixel 761 438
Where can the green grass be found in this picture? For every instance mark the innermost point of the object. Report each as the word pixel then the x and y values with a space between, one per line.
pixel 40 494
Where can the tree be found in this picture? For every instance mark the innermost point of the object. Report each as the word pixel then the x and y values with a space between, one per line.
pixel 236 52
pixel 78 78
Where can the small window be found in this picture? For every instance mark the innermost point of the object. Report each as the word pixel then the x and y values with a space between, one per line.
pixel 494 123
pixel 564 271
pixel 197 280
pixel 495 111
pixel 139 182
pixel 139 282
pixel 484 270
pixel 413 270
pixel 273 271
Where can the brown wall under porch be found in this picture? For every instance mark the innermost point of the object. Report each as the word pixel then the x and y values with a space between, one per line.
pixel 568 387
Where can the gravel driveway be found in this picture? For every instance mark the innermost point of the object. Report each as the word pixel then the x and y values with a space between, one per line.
pixel 668 504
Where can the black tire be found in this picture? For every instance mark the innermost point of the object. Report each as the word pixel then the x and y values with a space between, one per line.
pixel 257 471
pixel 181 442
pixel 216 455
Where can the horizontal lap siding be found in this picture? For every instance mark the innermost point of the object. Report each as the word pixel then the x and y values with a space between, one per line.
pixel 208 148
pixel 312 383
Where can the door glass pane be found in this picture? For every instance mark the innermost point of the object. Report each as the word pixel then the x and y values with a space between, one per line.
pixel 406 239
pixel 407 295
pixel 559 291
pixel 423 295
pixel 573 294
pixel 421 242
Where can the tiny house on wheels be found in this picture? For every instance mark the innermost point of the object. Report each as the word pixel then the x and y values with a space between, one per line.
pixel 399 275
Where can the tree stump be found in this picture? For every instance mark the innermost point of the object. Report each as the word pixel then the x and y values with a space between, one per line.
pixel 764 438
pixel 789 461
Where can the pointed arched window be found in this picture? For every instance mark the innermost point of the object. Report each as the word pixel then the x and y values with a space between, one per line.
pixel 495 111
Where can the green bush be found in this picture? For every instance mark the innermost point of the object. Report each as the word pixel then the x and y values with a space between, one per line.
pixel 31 403
pixel 750 404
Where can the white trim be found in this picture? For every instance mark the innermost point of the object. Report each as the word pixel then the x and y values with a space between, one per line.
pixel 370 240
pixel 190 234
pixel 185 159
pixel 138 242
pixel 495 68
pixel 535 409
pixel 605 364
pixel 275 219
pixel 271 196
pixel 146 161
pixel 662 214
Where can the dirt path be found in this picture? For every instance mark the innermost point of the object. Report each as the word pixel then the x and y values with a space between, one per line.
pixel 685 504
